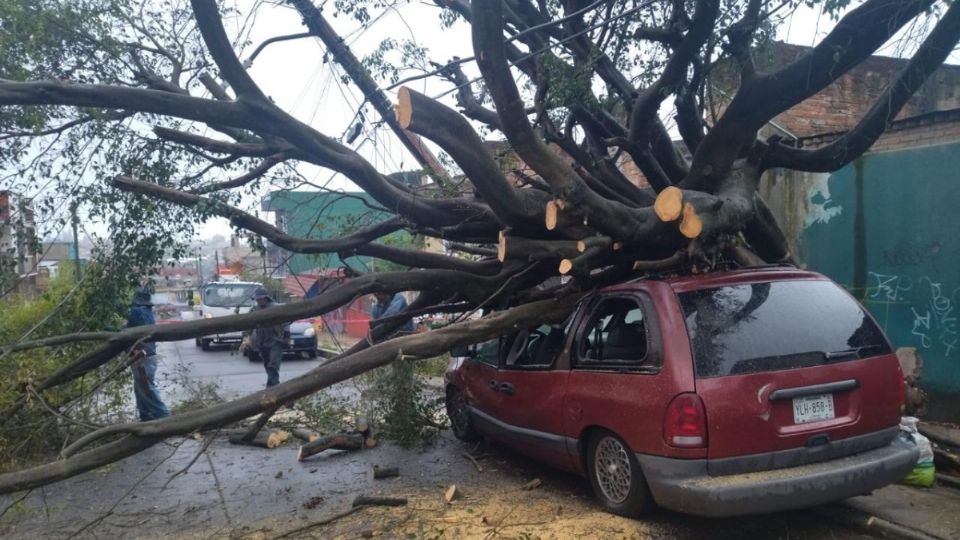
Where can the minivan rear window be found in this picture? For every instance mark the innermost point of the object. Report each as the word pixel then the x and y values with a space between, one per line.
pixel 740 329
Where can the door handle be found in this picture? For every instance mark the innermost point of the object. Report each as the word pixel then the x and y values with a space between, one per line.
pixel 493 384
pixel 506 388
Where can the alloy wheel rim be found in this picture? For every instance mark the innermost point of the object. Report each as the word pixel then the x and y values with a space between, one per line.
pixel 613 470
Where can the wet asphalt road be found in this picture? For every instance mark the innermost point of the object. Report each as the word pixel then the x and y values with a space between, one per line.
pixel 232 490
pixel 231 372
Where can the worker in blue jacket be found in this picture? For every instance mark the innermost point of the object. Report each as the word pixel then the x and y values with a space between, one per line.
pixel 149 404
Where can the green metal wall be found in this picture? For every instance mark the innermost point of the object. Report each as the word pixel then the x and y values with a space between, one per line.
pixel 312 214
pixel 886 227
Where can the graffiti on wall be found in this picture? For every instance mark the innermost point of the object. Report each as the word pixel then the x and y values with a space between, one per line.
pixel 931 305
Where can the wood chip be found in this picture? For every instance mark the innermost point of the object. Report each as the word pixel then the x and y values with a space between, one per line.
pixel 452 493
pixel 533 484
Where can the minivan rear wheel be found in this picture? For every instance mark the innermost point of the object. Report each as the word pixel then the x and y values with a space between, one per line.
pixel 460 422
pixel 615 476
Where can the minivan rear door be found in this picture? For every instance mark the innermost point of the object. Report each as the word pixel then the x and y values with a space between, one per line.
pixel 789 364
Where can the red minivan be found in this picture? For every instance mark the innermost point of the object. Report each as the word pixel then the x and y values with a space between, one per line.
pixel 729 393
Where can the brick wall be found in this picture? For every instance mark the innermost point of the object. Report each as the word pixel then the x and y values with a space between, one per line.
pixel 840 105
pixel 924 130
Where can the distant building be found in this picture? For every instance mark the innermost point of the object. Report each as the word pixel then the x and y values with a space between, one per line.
pixel 18 241
pixel 315 214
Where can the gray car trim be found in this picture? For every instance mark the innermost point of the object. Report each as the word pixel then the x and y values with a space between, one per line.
pixel 803 455
pixel 685 485
pixel 812 390
pixel 496 427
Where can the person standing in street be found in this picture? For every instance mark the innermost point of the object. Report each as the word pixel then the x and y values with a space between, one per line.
pixel 267 341
pixel 149 404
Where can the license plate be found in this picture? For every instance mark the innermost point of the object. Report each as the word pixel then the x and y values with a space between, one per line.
pixel 813 408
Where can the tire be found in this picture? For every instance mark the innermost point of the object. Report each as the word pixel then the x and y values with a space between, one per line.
pixel 205 344
pixel 197 342
pixel 615 476
pixel 312 354
pixel 460 421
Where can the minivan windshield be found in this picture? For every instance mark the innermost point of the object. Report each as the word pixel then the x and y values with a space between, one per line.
pixel 228 294
pixel 754 327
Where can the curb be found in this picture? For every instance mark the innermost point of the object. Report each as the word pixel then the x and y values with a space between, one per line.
pixel 869 524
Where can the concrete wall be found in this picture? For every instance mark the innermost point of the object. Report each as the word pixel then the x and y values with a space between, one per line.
pixel 886 227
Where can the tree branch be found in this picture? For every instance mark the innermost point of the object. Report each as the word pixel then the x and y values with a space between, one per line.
pixel 139 436
pixel 931 54
pixel 256 225
pixel 211 28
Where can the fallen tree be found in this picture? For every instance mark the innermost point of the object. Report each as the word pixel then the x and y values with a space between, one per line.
pixel 575 88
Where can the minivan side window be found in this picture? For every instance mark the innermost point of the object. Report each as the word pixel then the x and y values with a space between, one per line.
pixel 534 348
pixel 615 336
pixel 486 352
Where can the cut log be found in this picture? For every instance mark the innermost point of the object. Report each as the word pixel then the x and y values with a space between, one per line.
pixel 947 480
pixel 305 435
pixel 340 441
pixel 939 434
pixel 691 226
pixel 669 204
pixel 551 215
pixel 582 264
pixel 527 249
pixel 592 241
pixel 946 460
pixel 370 442
pixel 263 439
pixel 364 500
pixel 385 472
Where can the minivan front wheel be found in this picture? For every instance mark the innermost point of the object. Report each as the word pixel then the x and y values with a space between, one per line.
pixel 460 421
pixel 616 477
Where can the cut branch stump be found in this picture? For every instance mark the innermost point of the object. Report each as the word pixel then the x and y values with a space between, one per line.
pixel 340 441
pixel 264 439
pixel 669 204
pixel 305 435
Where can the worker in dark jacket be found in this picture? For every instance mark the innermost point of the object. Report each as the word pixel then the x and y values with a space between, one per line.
pixel 144 367
pixel 268 341
pixel 389 305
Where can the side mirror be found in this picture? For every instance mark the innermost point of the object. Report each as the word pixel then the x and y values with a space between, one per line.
pixel 461 351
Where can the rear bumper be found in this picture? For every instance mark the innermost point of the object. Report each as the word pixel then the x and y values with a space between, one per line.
pixel 685 485
pixel 301 344
pixel 233 337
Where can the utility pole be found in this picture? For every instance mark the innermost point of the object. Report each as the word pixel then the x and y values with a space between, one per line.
pixel 320 28
pixel 76 241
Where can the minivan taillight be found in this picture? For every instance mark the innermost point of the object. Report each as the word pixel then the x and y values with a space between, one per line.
pixel 685 423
